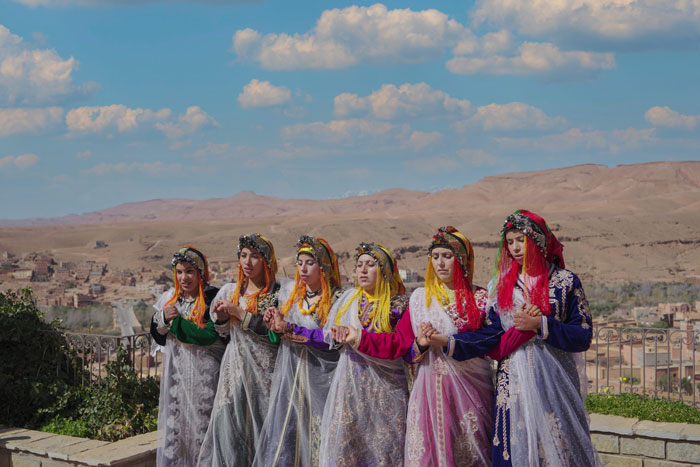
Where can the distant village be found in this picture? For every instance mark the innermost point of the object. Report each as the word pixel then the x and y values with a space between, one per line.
pixel 79 284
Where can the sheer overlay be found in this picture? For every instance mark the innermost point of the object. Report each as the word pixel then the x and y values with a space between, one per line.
pixel 540 386
pixel 364 419
pixel 187 389
pixel 243 393
pixel 450 408
pixel 291 433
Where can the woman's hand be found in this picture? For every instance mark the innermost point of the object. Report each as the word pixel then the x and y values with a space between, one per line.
pixel 170 313
pixel 344 334
pixel 228 310
pixel 432 336
pixel 532 310
pixel 527 318
pixel 277 322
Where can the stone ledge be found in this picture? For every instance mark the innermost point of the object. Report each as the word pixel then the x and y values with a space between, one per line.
pixel 614 424
pixel 29 445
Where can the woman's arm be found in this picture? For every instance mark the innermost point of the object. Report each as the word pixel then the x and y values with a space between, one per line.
pixel 476 343
pixel 574 334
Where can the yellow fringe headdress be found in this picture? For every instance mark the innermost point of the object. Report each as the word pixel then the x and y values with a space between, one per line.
pixel 196 258
pixel 463 272
pixel 322 252
pixel 263 246
pixel 388 284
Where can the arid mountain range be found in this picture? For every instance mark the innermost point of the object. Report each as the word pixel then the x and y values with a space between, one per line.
pixel 631 222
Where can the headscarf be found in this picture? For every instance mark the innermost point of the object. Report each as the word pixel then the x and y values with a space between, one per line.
pixel 322 252
pixel 196 258
pixel 263 246
pixel 541 248
pixel 463 272
pixel 388 284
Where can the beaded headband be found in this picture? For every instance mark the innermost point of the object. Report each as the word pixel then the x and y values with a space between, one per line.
pixel 192 256
pixel 258 243
pixel 528 227
pixel 386 263
pixel 444 238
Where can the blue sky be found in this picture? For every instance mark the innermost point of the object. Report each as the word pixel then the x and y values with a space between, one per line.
pixel 111 101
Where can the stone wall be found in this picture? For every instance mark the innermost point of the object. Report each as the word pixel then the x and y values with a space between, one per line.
pixel 27 448
pixel 629 442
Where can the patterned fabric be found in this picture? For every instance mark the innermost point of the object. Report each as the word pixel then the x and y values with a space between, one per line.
pixel 540 415
pixel 243 392
pixel 189 375
pixel 366 392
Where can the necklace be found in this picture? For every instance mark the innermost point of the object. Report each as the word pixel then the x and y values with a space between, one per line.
pixel 188 299
pixel 366 311
pixel 312 294
pixel 312 308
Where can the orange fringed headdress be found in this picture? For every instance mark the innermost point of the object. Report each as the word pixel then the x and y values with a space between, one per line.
pixel 330 276
pixel 197 259
pixel 263 246
pixel 541 248
pixel 463 272
pixel 389 283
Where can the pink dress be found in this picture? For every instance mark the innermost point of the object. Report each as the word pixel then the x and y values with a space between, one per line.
pixel 450 409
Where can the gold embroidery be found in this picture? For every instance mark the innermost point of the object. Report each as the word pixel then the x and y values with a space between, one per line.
pixel 464 448
pixel 583 308
pixel 414 439
pixel 560 443
pixel 502 405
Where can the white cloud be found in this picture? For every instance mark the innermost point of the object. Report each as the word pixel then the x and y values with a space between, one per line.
pixel 21 162
pixel 22 120
pixel 419 140
pixel 665 116
pixel 603 23
pixel 511 116
pixel 263 94
pixel 389 102
pixel 35 75
pixel 613 141
pixel 535 58
pixel 351 132
pixel 151 168
pixel 97 119
pixel 192 121
pixel 348 36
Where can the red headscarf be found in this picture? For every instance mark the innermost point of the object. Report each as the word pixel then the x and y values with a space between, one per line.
pixel 541 248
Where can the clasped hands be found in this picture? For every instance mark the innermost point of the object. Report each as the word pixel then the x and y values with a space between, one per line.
pixel 527 318
pixel 225 310
pixel 274 320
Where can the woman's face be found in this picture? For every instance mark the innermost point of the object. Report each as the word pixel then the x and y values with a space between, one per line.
pixel 188 277
pixel 366 270
pixel 252 264
pixel 443 261
pixel 309 271
pixel 515 240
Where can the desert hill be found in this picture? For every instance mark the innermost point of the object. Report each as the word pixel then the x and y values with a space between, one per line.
pixel 630 222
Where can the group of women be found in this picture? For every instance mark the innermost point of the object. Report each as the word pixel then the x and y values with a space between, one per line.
pixel 311 374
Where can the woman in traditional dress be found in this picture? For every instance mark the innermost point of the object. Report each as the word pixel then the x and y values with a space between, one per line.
pixel 192 353
pixel 540 415
pixel 246 369
pixel 364 419
pixel 303 371
pixel 449 419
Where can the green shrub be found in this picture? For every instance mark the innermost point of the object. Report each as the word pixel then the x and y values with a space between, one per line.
pixel 642 407
pixel 34 360
pixel 118 406
pixel 41 390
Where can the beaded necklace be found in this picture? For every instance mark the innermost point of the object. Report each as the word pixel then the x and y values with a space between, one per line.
pixel 366 310
pixel 312 308
pixel 449 304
